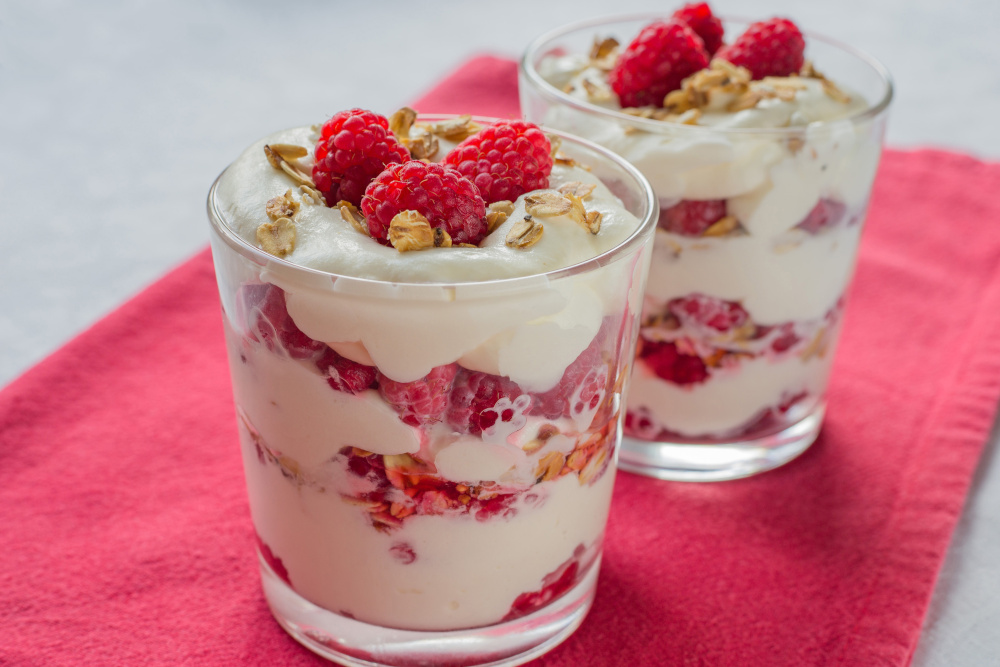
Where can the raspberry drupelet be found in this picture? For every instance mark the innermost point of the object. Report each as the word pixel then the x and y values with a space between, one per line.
pixel 656 62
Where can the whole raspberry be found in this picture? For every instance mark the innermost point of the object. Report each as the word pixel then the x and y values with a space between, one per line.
pixel 697 311
pixel 268 322
pixel 353 148
pixel 663 358
pixel 656 62
pixel 345 375
pixel 473 396
pixel 768 48
pixel 422 401
pixel 692 217
pixel 699 18
pixel 446 198
pixel 505 160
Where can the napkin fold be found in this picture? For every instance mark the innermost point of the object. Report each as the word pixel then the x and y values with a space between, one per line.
pixel 125 537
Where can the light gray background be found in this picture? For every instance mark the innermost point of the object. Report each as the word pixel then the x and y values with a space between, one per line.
pixel 115 117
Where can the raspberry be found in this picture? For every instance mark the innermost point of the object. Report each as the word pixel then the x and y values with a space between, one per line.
pixel 671 365
pixel 699 18
pixel 446 198
pixel 353 148
pixel 692 217
pixel 553 585
pixel 698 311
pixel 422 401
pixel 505 160
pixel 268 322
pixel 345 375
pixel 273 561
pixel 656 62
pixel 581 388
pixel 768 48
pixel 473 396
pixel 826 213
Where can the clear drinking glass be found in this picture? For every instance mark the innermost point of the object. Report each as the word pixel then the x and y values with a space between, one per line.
pixel 740 323
pixel 387 540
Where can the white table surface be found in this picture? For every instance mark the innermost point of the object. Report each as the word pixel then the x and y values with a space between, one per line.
pixel 115 117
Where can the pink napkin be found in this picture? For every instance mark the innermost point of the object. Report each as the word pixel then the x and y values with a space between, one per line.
pixel 125 537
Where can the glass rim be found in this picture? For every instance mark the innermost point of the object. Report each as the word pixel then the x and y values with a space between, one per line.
pixel 217 220
pixel 527 68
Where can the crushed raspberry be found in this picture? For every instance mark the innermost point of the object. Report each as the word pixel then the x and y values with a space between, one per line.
pixel 403 552
pixel 422 401
pixel 474 397
pixel 446 198
pixel 656 62
pixel 826 213
pixel 553 585
pixel 670 364
pixel 345 375
pixel 353 148
pixel 768 48
pixel 505 160
pixel 785 339
pixel 273 561
pixel 581 388
pixel 699 17
pixel 691 217
pixel 268 322
pixel 698 310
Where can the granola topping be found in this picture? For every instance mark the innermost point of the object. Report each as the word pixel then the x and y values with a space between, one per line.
pixel 410 231
pixel 525 233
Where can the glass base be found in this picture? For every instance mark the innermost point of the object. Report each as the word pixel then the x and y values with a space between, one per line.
pixel 716 462
pixel 356 644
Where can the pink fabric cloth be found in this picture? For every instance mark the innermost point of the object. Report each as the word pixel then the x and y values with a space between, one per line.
pixel 125 537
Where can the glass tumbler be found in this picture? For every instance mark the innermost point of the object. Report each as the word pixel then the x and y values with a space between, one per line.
pixel 389 538
pixel 741 318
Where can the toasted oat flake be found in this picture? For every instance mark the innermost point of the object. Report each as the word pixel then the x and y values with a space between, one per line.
pixel 577 212
pixel 455 129
pixel 581 190
pixel 409 230
pixel 401 121
pixel 722 226
pixel 547 204
pixel 604 53
pixel 497 214
pixel 525 233
pixel 290 151
pixel 555 143
pixel 593 223
pixel 831 89
pixel 596 92
pixel 441 238
pixel 289 167
pixel 549 466
pixel 795 144
pixel 282 206
pixel 311 195
pixel 350 212
pixel 422 144
pixel 277 237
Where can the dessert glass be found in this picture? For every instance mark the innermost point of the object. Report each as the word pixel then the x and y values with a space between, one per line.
pixel 739 327
pixel 388 541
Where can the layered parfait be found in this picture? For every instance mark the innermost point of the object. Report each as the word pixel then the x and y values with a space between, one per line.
pixel 428 397
pixel 763 172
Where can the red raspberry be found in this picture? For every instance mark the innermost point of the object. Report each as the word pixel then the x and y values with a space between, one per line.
pixel 422 401
pixel 697 310
pixel 768 48
pixel 345 375
pixel 692 217
pixel 505 160
pixel 353 148
pixel 473 396
pixel 656 62
pixel 671 365
pixel 553 585
pixel 699 18
pixel 442 195
pixel 273 561
pixel 589 374
pixel 269 323
pixel 826 213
